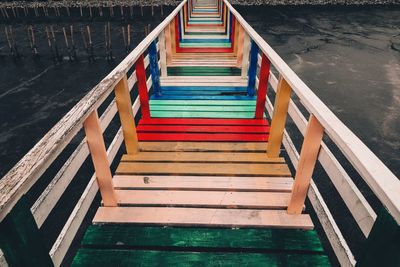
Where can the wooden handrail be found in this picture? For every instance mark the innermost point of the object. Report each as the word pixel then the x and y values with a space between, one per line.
pixel 28 170
pixel 381 180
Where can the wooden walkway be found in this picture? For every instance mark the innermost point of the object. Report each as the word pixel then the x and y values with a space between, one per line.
pixel 201 189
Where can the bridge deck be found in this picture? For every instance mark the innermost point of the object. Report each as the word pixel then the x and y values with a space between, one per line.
pixel 201 191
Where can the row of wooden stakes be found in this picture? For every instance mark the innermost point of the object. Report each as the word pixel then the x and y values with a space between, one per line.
pixel 69 40
pixel 15 12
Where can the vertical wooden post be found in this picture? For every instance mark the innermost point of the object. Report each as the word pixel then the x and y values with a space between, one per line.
pixel 95 141
pixel 252 69
pixel 281 107
pixel 142 86
pixel 20 239
pixel 308 158
pixel 167 34
pixel 155 72
pixel 124 105
pixel 262 87
pixel 246 52
pixel 163 54
pixel 240 43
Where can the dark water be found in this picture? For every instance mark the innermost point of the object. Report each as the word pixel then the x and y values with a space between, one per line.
pixel 350 57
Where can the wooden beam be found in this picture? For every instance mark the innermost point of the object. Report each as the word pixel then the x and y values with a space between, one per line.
pixel 142 86
pixel 167 36
pixel 98 152
pixel 163 53
pixel 279 118
pixel 308 158
pixel 252 73
pixel 262 87
pixel 240 42
pixel 124 104
pixel 246 52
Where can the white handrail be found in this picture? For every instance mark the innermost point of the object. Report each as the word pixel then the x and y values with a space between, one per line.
pixel 380 179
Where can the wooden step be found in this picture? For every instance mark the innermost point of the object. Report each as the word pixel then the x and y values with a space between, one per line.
pixel 201 157
pixel 203 217
pixel 206 169
pixel 207 183
pixel 219 122
pixel 203 199
pixel 204 146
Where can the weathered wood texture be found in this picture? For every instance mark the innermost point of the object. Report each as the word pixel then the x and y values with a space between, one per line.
pixel 98 153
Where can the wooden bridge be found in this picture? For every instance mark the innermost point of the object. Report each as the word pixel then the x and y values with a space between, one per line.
pixel 203 180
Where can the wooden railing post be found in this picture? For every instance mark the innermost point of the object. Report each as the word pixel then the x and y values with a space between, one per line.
pixel 252 72
pixel 95 141
pixel 281 107
pixel 308 158
pixel 240 44
pixel 262 87
pixel 155 72
pixel 126 117
pixel 245 56
pixel 168 48
pixel 163 53
pixel 142 86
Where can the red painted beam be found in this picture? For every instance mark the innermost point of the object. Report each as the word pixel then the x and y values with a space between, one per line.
pixel 142 86
pixel 262 87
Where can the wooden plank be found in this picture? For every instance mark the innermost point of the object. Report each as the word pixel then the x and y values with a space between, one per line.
pixel 305 167
pixel 202 157
pixel 168 46
pixel 142 86
pixel 224 169
pixel 203 146
pixel 203 217
pixel 193 109
pixel 146 258
pixel 202 102
pixel 262 87
pixel 211 183
pixel 201 114
pixel 254 240
pixel 98 154
pixel 215 137
pixel 177 121
pixel 204 129
pixel 124 104
pixel 203 199
pixel 278 122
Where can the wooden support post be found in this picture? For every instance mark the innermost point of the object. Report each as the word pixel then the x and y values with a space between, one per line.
pixel 245 56
pixel 281 106
pixel 163 54
pixel 167 34
pixel 142 86
pixel 124 105
pixel 155 72
pixel 262 87
pixel 20 239
pixel 95 141
pixel 252 69
pixel 305 167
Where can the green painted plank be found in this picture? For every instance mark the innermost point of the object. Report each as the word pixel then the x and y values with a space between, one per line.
pixel 199 114
pixel 203 71
pixel 98 258
pixel 258 239
pixel 203 108
pixel 216 92
pixel 203 102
